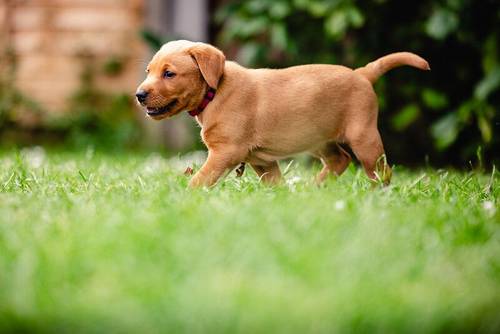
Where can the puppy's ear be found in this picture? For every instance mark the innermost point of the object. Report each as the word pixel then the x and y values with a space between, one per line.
pixel 210 61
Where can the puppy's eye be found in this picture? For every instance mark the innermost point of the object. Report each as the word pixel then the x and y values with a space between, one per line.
pixel 168 74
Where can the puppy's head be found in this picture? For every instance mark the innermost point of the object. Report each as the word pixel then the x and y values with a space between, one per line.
pixel 178 77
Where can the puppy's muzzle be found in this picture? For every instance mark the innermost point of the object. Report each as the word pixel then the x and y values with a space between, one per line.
pixel 141 95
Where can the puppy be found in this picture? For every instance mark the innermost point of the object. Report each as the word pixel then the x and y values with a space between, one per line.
pixel 260 116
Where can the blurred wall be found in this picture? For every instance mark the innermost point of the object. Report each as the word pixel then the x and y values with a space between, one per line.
pixel 52 39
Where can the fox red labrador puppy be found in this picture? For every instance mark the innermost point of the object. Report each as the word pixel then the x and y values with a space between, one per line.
pixel 260 116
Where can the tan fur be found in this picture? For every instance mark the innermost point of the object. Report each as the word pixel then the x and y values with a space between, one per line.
pixel 260 116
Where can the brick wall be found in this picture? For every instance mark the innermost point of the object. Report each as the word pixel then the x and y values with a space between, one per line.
pixel 51 39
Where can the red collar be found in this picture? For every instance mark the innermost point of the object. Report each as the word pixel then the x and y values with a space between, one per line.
pixel 209 96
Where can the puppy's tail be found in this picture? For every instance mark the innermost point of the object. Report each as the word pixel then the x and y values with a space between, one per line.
pixel 377 68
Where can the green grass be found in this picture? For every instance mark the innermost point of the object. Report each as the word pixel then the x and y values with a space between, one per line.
pixel 99 243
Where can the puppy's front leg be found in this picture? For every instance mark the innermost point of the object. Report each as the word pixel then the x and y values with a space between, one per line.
pixel 218 162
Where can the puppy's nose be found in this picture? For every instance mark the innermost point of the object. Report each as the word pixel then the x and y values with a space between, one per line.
pixel 141 95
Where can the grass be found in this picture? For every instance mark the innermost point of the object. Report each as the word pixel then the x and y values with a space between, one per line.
pixel 98 243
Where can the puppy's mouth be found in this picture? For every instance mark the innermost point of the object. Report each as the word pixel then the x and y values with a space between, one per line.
pixel 160 110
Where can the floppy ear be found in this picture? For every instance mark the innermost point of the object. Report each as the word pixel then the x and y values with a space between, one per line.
pixel 210 61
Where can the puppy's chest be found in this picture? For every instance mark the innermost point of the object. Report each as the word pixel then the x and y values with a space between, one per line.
pixel 216 134
pixel 227 132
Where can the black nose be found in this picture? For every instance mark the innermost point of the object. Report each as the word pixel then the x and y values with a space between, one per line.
pixel 141 95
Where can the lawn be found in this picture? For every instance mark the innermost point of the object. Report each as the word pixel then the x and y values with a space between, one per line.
pixel 92 242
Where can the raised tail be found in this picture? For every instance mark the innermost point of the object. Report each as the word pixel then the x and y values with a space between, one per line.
pixel 377 68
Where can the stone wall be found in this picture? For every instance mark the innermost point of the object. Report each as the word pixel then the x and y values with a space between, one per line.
pixel 52 40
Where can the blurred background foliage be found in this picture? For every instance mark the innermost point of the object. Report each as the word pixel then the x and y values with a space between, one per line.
pixel 98 118
pixel 441 117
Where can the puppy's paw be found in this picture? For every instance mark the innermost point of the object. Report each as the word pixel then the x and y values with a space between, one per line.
pixel 240 170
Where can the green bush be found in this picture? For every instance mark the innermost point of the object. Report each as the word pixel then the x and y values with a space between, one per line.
pixel 444 115
pixel 97 118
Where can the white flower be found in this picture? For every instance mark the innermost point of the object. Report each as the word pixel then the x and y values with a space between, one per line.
pixel 293 180
pixel 489 207
pixel 339 205
pixel 34 156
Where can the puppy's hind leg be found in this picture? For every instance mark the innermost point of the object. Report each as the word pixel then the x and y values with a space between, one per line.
pixel 369 150
pixel 269 174
pixel 335 160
